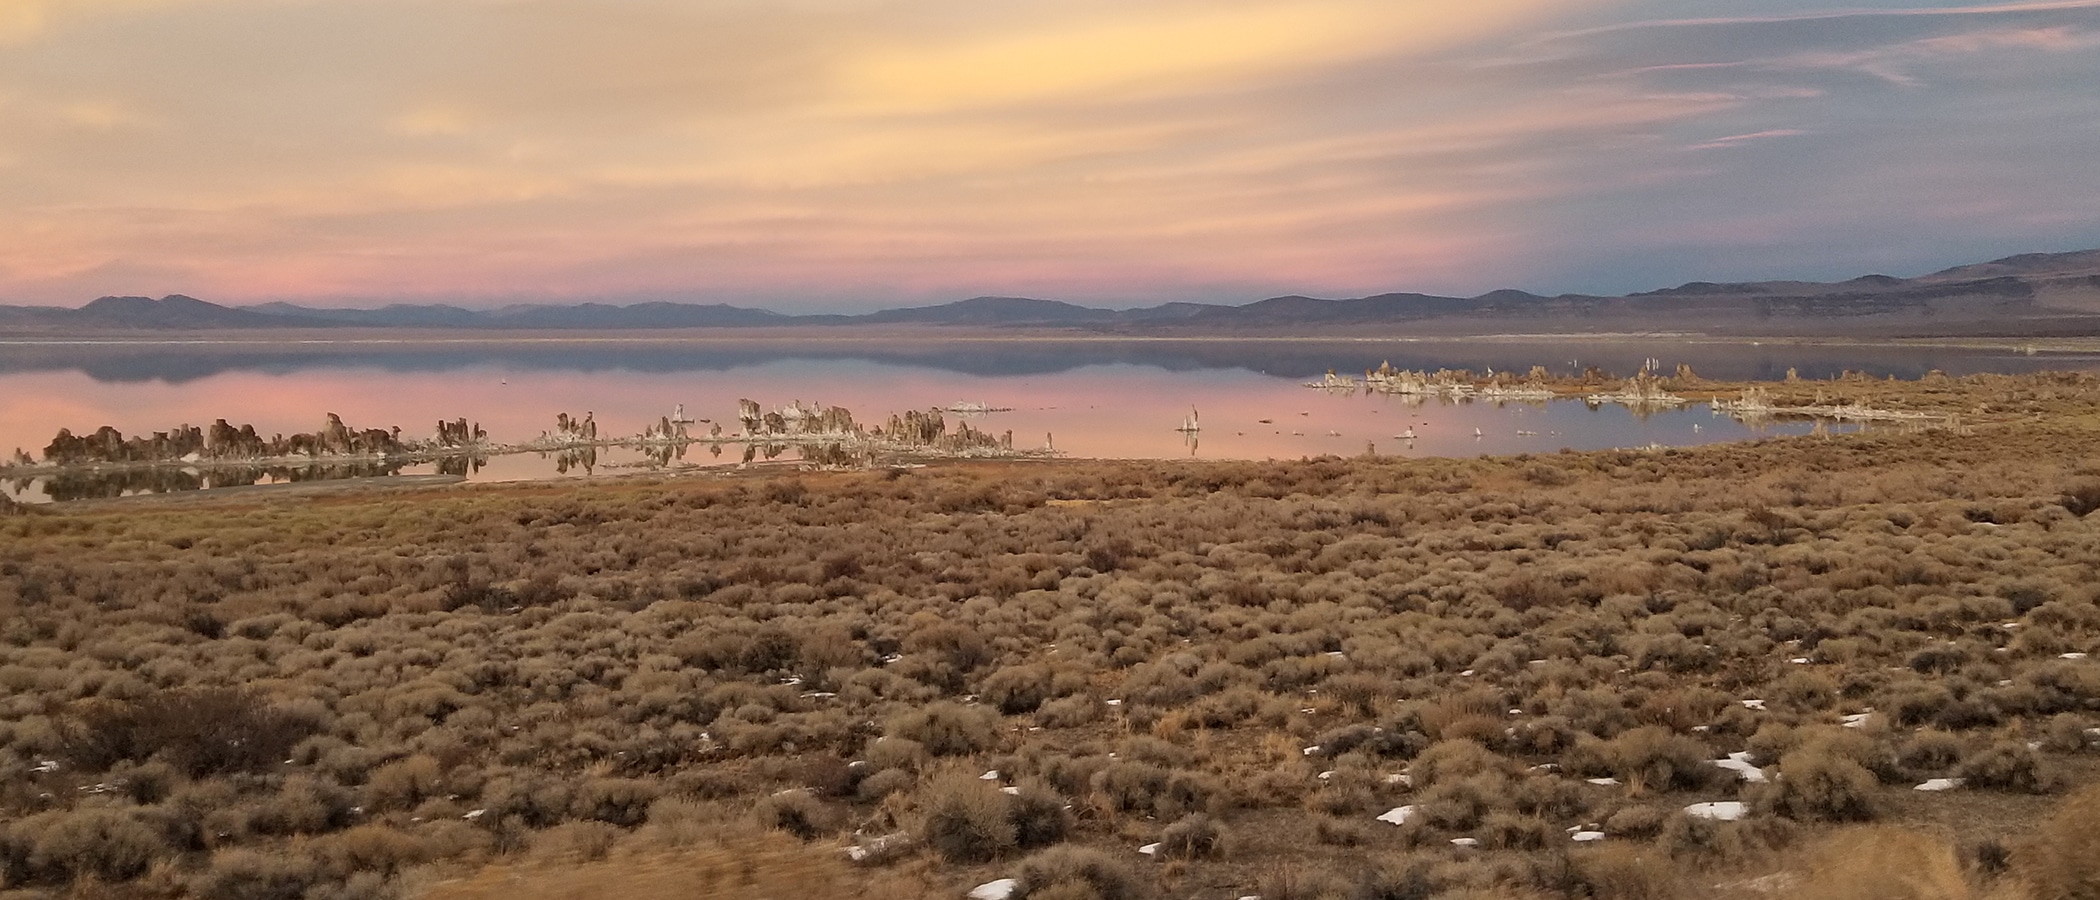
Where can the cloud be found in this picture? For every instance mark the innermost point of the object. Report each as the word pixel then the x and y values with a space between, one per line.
pixel 851 152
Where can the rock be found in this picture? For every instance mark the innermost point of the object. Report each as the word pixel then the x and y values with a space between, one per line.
pixel 1398 815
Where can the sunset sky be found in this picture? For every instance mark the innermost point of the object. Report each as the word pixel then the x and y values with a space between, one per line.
pixel 810 155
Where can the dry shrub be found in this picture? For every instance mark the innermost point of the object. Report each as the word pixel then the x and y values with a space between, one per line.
pixel 406 782
pixel 1478 715
pixel 1454 759
pixel 1649 755
pixel 1637 821
pixel 370 848
pixel 585 841
pixel 884 783
pixel 1016 690
pixel 946 728
pixel 59 847
pixel 2061 859
pixel 200 732
pixel 1626 872
pixel 1818 783
pixel 1072 712
pixel 243 874
pixel 1930 750
pixel 1077 872
pixel 966 819
pixel 2065 734
pixel 1194 836
pixel 796 812
pixel 1038 813
pixel 736 865
pixel 2008 765
pixel 1882 862
pixel 616 801
pixel 2082 498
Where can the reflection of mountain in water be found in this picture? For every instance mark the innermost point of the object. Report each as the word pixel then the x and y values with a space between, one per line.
pixel 1284 359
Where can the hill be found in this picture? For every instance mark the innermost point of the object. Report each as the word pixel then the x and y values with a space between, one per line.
pixel 2034 294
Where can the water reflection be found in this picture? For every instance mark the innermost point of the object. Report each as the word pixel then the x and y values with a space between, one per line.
pixel 1088 399
pixel 179 363
pixel 106 484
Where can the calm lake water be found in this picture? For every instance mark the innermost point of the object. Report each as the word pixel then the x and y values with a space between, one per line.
pixel 1110 399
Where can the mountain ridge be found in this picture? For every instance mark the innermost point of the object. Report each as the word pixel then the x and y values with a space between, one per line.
pixel 2052 293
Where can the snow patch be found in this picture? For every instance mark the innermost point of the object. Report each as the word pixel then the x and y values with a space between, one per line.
pixel 1398 815
pixel 995 890
pixel 1718 810
pixel 1939 784
pixel 1740 764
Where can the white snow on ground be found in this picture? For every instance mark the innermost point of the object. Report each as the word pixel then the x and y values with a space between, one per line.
pixel 2072 655
pixel 1939 784
pixel 1739 763
pixel 1151 849
pixel 1465 842
pixel 1607 781
pixel 1753 704
pixel 1584 837
pixel 876 844
pixel 992 775
pixel 1857 720
pixel 995 890
pixel 1721 810
pixel 1398 815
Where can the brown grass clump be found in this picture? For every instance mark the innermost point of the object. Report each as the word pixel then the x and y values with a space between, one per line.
pixel 203 731
pixel 1883 862
pixel 2061 860
pixel 966 819
pixel 1820 783
pixel 730 869
pixel 1072 873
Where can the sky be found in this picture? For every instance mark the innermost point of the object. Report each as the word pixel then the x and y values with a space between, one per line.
pixel 810 155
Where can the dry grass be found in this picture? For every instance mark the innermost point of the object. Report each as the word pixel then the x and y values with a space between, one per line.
pixel 643 686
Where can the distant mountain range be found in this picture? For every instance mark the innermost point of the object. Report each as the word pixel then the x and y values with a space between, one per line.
pixel 2031 294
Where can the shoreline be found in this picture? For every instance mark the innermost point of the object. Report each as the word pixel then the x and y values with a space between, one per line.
pixel 818 334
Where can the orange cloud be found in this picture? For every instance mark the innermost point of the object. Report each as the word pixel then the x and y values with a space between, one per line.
pixel 1128 52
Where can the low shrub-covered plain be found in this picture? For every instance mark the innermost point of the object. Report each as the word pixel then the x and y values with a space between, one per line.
pixel 905 683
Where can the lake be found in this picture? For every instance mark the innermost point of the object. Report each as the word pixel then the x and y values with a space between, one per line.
pixel 1092 398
